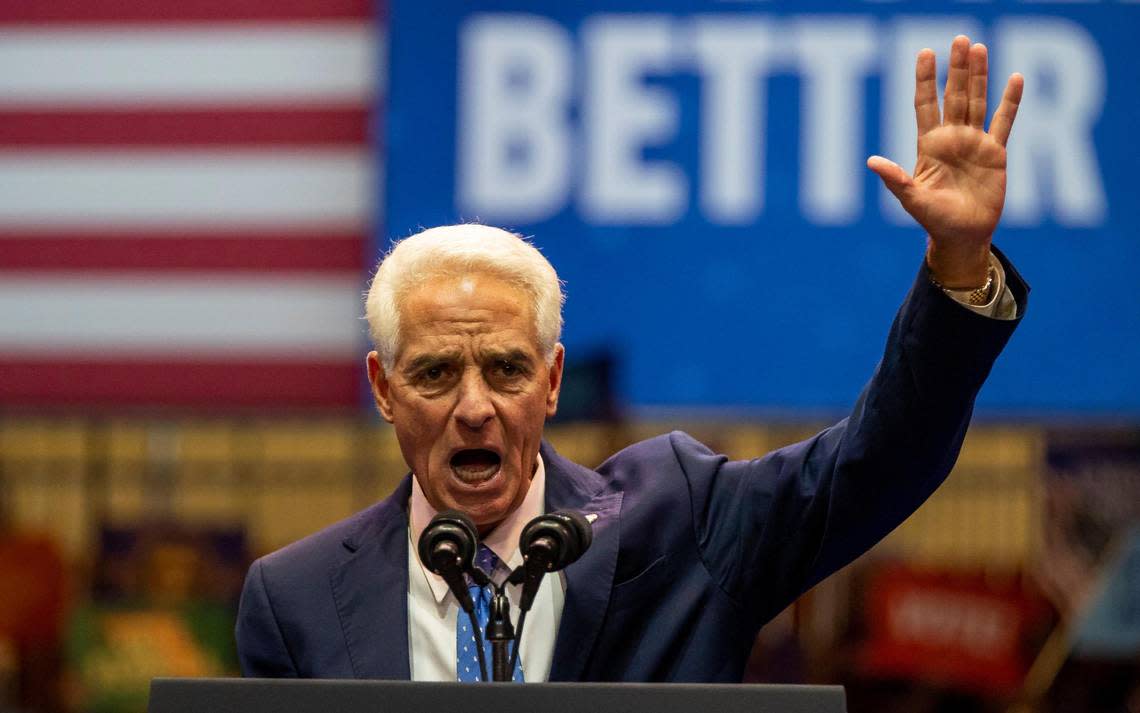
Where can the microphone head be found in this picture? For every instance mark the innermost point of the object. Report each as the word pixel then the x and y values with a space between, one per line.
pixel 450 537
pixel 559 538
pixel 581 525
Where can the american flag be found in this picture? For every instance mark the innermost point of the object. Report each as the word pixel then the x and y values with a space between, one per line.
pixel 186 193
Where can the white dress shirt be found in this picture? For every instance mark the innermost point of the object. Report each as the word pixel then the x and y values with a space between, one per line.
pixel 432 608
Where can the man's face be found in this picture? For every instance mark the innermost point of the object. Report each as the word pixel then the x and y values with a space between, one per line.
pixel 469 394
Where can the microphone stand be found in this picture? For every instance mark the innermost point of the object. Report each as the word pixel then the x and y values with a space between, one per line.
pixel 530 579
pixel 500 633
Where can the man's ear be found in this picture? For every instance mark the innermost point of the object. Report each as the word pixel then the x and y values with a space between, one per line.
pixel 555 380
pixel 380 385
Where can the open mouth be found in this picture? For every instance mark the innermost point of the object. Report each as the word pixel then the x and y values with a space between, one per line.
pixel 474 465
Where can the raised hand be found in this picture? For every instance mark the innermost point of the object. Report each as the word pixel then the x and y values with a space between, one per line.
pixel 958 187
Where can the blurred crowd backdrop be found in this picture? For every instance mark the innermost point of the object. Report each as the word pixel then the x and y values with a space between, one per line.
pixel 193 195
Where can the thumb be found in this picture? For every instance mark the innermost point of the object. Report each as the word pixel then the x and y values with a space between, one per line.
pixel 894 177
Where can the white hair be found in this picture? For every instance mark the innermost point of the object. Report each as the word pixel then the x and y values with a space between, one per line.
pixel 457 250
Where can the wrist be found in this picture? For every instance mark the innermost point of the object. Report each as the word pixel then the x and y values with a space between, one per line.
pixel 959 268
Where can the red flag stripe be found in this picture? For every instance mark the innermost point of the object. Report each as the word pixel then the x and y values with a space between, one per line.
pixel 59 380
pixel 186 127
pixel 223 230
pixel 182 251
pixel 152 11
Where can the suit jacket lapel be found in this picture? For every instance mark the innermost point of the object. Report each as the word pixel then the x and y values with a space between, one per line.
pixel 371 590
pixel 590 579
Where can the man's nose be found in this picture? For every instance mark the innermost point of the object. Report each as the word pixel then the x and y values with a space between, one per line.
pixel 474 408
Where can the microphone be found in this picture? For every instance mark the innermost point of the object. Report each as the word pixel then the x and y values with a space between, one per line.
pixel 549 543
pixel 447 548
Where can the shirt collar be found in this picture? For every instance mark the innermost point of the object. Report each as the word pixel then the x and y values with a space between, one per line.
pixel 503 540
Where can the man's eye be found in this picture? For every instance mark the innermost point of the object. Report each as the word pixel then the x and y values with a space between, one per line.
pixel 508 369
pixel 433 374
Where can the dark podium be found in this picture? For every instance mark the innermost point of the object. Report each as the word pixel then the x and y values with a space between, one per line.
pixel 236 695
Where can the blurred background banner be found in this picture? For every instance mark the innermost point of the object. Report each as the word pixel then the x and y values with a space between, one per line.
pixel 185 201
pixel 962 629
pixel 695 171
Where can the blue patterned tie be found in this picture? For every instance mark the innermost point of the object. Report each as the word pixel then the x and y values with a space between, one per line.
pixel 466 654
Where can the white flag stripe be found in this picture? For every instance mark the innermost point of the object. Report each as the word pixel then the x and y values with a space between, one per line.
pixel 194 63
pixel 177 188
pixel 311 317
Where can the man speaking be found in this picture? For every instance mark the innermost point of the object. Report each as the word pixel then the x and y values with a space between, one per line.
pixel 691 553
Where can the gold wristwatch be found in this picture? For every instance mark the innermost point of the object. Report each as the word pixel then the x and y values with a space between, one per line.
pixel 974 296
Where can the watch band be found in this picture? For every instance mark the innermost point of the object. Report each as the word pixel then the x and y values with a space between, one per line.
pixel 973 296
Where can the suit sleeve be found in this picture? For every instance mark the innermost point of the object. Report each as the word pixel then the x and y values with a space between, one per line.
pixel 770 528
pixel 260 645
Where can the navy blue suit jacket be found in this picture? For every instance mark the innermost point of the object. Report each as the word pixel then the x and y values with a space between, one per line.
pixel 692 553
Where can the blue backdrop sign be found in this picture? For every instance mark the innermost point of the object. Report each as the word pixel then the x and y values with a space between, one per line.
pixel 695 172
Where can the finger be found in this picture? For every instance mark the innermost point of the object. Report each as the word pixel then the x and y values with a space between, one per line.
pixel 979 68
pixel 954 101
pixel 897 180
pixel 1007 110
pixel 926 92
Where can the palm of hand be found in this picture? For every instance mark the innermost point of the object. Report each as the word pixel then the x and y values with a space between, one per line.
pixel 960 183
